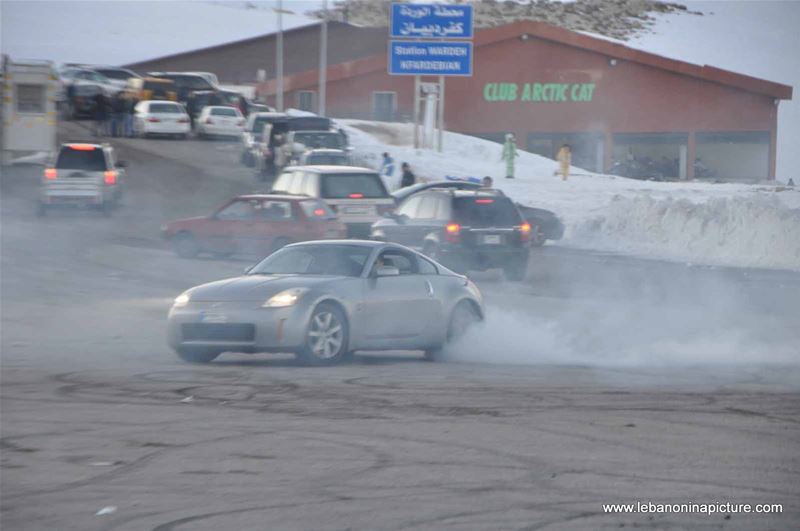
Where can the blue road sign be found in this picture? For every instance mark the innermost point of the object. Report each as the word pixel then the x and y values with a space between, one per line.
pixel 443 21
pixel 435 58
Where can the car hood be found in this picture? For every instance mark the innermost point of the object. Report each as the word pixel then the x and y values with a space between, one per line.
pixel 254 287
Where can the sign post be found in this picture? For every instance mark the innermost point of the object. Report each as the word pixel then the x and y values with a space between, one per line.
pixel 430 40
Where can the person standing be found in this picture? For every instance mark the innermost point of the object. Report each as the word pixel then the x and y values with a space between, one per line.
pixel 387 170
pixel 564 158
pixel 509 155
pixel 408 178
pixel 100 113
pixel 130 109
pixel 117 114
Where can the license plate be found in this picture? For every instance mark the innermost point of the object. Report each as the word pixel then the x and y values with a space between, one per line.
pixel 358 210
pixel 213 317
pixel 491 239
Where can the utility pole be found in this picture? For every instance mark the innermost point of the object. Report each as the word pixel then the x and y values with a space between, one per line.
pixel 323 59
pixel 279 58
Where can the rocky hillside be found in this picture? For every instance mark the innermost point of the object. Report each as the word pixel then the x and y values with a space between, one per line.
pixel 618 19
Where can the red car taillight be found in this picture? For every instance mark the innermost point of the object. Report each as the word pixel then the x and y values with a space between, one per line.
pixel 356 196
pixel 50 174
pixel 153 120
pixel 452 232
pixel 525 232
pixel 110 177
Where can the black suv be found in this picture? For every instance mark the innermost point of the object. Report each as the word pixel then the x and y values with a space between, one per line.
pixel 462 229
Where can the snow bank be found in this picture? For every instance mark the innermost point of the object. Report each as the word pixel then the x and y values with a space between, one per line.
pixel 721 224
pixel 754 230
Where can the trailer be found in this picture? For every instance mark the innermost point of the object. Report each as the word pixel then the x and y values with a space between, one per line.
pixel 29 109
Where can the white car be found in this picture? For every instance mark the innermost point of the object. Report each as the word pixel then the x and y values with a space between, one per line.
pixel 157 117
pixel 217 120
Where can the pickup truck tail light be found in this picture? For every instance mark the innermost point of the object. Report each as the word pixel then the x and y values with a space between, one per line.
pixel 110 177
pixel 50 174
pixel 525 231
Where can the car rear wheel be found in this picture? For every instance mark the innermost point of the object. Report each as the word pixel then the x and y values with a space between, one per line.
pixel 326 337
pixel 197 354
pixel 462 319
pixel 537 235
pixel 185 245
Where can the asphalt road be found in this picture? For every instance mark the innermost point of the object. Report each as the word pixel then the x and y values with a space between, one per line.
pixel 602 379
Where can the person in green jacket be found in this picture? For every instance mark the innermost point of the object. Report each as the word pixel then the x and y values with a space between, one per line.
pixel 509 154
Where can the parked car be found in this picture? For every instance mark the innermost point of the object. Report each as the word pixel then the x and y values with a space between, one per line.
pixel 118 76
pixel 186 82
pixel 158 117
pixel 324 300
pixel 83 175
pixel 357 195
pixel 254 225
pixel 463 229
pixel 79 87
pixel 200 99
pixel 252 142
pixel 545 225
pixel 269 161
pixel 325 157
pixel 295 143
pixel 219 121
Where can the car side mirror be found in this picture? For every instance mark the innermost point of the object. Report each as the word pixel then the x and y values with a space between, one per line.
pixel 122 164
pixel 387 272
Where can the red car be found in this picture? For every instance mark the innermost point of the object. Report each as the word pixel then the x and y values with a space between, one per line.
pixel 254 225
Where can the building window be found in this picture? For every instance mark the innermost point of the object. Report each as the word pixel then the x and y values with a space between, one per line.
pixel 659 156
pixel 736 156
pixel 30 99
pixel 384 105
pixel 305 100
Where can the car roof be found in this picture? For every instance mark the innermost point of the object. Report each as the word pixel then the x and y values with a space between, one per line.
pixel 326 169
pixel 282 197
pixel 161 101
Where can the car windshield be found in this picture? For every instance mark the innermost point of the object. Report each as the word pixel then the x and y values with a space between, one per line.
pixel 485 212
pixel 328 259
pixel 346 185
pixel 113 73
pixel 165 108
pixel 319 140
pixel 326 159
pixel 81 159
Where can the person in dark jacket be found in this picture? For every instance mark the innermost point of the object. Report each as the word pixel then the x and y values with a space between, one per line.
pixel 100 113
pixel 408 176
pixel 130 109
pixel 117 114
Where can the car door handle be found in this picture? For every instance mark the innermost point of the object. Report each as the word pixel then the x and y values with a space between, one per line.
pixel 430 288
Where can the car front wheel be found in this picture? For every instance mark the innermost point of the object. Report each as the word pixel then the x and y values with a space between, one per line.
pixel 326 337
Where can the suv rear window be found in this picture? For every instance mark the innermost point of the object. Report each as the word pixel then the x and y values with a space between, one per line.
pixel 165 108
pixel 344 185
pixel 319 140
pixel 485 212
pixel 80 159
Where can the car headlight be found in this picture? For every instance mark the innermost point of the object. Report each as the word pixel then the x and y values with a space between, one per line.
pixel 181 300
pixel 285 298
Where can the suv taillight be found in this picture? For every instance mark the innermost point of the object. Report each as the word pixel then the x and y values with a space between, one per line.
pixel 525 231
pixel 153 120
pixel 50 174
pixel 110 177
pixel 452 232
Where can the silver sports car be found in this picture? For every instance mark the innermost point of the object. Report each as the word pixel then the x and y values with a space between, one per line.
pixel 325 299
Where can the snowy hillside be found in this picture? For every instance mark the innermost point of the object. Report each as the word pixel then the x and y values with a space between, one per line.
pixel 724 224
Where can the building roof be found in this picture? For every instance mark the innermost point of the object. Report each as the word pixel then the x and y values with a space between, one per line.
pixel 563 36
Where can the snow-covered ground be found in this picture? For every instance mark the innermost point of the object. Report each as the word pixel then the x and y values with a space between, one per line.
pixel 704 223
